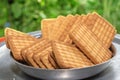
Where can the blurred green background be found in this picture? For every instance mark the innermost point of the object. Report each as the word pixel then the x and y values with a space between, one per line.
pixel 25 15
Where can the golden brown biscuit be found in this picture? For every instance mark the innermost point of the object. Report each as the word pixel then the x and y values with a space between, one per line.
pixel 62 27
pixel 30 59
pixel 100 27
pixel 45 61
pixel 35 49
pixel 89 20
pixel 68 56
pixel 17 43
pixel 66 27
pixel 10 31
pixel 37 56
pixel 92 47
pixel 52 60
pixel 55 28
pixel 46 27
pixel 103 30
pixel 38 61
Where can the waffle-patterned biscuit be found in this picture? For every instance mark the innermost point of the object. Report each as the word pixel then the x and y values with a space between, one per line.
pixel 83 18
pixel 52 60
pixel 30 59
pixel 38 61
pixel 46 27
pixel 100 27
pixel 10 31
pixel 89 20
pixel 55 28
pixel 35 49
pixel 37 56
pixel 45 61
pixel 66 27
pixel 17 43
pixel 68 56
pixel 92 47
pixel 23 54
pixel 103 30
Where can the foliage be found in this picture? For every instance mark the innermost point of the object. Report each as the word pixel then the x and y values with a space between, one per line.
pixel 25 15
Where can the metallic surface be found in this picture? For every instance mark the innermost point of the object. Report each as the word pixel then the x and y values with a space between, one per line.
pixel 9 70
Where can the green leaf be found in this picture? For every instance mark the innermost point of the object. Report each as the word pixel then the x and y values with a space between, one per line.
pixel 16 9
pixel 42 14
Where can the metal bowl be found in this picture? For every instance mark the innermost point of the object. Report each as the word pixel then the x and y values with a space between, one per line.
pixel 65 74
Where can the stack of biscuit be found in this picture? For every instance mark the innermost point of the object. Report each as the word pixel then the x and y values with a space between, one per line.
pixel 72 41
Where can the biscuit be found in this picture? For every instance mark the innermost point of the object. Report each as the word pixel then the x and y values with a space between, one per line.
pixel 45 61
pixel 55 28
pixel 83 18
pixel 17 43
pixel 30 59
pixel 52 60
pixel 66 27
pixel 103 30
pixel 38 61
pixel 68 56
pixel 35 49
pixel 46 27
pixel 89 20
pixel 91 46
pixel 37 56
pixel 100 27
pixel 10 31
